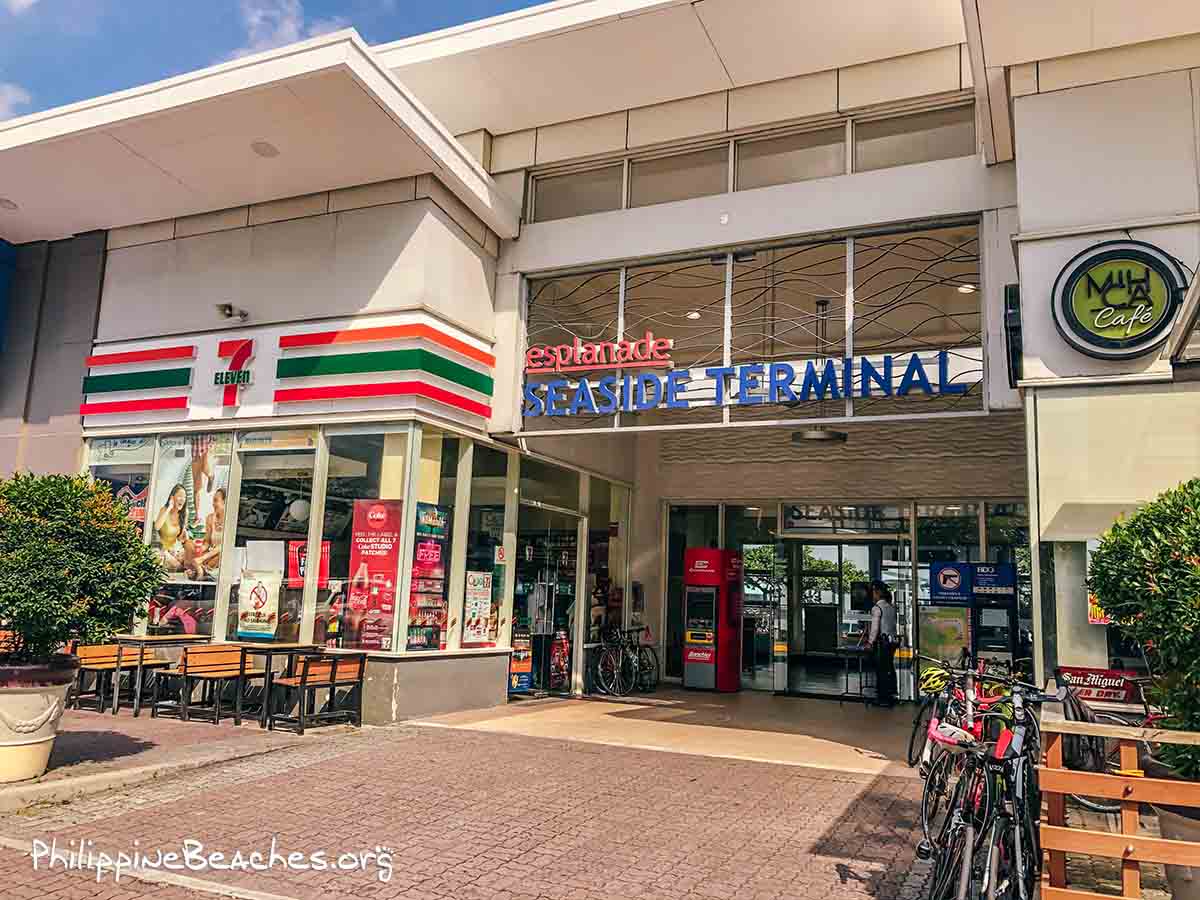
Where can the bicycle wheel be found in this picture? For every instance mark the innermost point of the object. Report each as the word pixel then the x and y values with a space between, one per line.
pixel 630 673
pixel 1002 864
pixel 938 799
pixel 608 672
pixel 948 865
pixel 920 730
pixel 647 670
pixel 1112 761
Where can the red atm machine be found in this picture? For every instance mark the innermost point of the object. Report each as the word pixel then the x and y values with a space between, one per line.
pixel 712 619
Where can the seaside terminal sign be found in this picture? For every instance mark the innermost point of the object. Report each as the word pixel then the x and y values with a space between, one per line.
pixel 603 377
pixel 1117 300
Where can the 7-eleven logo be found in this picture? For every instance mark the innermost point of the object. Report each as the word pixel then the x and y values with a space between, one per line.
pixel 239 352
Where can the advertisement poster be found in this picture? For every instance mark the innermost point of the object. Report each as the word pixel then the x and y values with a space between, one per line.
pixel 427 606
pixel 520 662
pixel 189 505
pixel 297 556
pixel 951 582
pixel 258 606
pixel 374 566
pixel 944 631
pixel 1096 613
pixel 995 581
pixel 479 613
pixel 133 490
pixel 1112 685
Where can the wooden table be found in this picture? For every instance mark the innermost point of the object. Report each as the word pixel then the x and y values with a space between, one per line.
pixel 270 650
pixel 142 641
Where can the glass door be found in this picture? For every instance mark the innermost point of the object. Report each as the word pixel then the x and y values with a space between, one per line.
pixel 544 599
pixel 273 515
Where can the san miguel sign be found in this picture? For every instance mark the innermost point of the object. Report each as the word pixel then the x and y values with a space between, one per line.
pixel 610 390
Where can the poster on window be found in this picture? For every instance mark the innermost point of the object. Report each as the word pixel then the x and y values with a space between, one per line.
pixel 188 505
pixel 479 618
pixel 374 566
pixel 298 557
pixel 258 606
pixel 427 606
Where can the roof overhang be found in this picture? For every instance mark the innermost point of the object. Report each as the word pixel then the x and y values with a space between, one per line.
pixel 336 116
pixel 577 58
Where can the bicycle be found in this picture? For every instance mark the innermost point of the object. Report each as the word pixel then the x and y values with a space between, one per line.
pixel 624 663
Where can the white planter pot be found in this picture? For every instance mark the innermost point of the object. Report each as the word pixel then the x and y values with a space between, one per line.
pixel 32 699
pixel 1184 880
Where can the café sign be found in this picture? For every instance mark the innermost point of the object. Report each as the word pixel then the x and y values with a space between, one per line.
pixel 1117 300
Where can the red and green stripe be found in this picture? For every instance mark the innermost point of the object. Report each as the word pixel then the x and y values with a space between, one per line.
pixel 138 380
pixel 436 360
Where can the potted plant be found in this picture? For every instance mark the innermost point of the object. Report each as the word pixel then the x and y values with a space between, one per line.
pixel 73 567
pixel 1146 577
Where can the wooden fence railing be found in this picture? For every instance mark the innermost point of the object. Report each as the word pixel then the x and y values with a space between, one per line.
pixel 1127 785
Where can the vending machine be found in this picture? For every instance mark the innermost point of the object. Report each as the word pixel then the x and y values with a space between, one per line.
pixel 712 619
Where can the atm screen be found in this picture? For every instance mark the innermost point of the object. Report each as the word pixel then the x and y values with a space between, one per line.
pixel 701 609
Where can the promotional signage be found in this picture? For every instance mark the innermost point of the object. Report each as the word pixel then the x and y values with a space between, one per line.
pixel 1117 300
pixel 477 609
pixel 520 661
pixel 1100 684
pixel 1096 613
pixel 298 556
pixel 582 357
pixel 374 566
pixel 743 385
pixel 258 606
pixel 238 352
pixel 427 607
pixel 951 582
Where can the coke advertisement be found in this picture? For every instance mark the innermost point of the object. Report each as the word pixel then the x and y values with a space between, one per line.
pixel 298 556
pixel 374 567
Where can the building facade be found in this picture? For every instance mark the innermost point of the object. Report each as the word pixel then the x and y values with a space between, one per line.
pixel 451 347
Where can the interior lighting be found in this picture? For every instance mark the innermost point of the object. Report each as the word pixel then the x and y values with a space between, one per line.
pixel 966 288
pixel 265 149
pixel 693 315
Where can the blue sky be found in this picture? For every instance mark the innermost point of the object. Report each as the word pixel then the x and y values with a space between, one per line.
pixel 58 51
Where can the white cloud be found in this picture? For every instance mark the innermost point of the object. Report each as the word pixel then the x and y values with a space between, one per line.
pixel 16 7
pixel 273 23
pixel 12 96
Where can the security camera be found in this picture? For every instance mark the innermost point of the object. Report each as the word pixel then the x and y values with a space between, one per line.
pixel 229 311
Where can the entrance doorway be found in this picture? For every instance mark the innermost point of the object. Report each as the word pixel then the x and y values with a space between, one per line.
pixel 544 598
pixel 829 616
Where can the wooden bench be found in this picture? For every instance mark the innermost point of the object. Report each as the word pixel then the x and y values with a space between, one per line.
pixel 328 671
pixel 213 666
pixel 100 660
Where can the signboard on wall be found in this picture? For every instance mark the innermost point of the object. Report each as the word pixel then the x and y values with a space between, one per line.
pixel 427 607
pixel 994 581
pixel 1117 299
pixel 951 582
pixel 258 606
pixel 374 567
pixel 297 559
pixel 1100 684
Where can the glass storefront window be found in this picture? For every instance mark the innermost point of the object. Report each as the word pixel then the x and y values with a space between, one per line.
pixel 1007 528
pixel 901 140
pixel 577 193
pixel 543 482
pixel 484 586
pixel 434 484
pixel 124 464
pixel 946 532
pixel 608 531
pixel 792 157
pixel 360 541
pixel 681 176
pixel 273 515
pixel 750 530
pixel 687 526
pixel 544 602
pixel 187 526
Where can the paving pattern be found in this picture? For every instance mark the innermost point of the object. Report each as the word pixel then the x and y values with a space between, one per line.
pixel 483 816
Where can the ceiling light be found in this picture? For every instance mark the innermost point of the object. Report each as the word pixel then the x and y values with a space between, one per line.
pixel 966 288
pixel 849 509
pixel 753 508
pixel 693 315
pixel 7 204
pixel 818 434
pixel 265 149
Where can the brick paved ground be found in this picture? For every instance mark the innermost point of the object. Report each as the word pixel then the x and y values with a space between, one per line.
pixel 475 816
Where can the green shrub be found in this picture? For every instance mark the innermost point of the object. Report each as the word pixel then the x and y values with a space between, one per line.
pixel 72 564
pixel 1146 576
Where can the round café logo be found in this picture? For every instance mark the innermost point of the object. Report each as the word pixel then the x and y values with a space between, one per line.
pixel 1116 300
pixel 377 516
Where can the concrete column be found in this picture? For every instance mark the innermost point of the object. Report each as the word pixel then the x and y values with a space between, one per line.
pixel 510 335
pixel 645 539
pixel 1079 643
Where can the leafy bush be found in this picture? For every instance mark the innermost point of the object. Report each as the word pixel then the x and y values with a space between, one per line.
pixel 72 564
pixel 1146 576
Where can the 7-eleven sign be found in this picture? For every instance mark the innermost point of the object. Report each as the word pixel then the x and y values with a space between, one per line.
pixel 238 351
